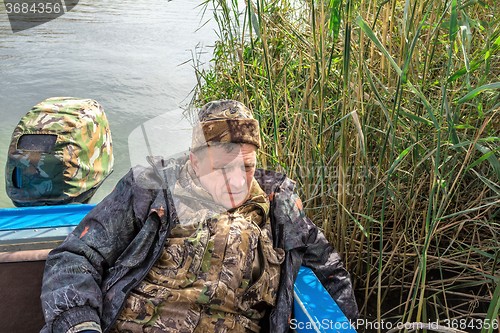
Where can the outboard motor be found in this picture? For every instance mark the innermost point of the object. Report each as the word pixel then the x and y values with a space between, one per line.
pixel 60 152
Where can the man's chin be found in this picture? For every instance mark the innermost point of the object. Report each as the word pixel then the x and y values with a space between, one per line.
pixel 232 202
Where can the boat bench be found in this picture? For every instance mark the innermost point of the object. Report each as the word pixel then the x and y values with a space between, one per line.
pixel 28 234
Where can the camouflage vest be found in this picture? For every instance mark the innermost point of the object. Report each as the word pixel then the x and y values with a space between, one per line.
pixel 60 152
pixel 206 279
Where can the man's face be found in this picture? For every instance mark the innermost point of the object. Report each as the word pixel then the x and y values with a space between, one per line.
pixel 226 175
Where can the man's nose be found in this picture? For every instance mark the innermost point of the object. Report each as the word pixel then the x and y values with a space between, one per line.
pixel 236 179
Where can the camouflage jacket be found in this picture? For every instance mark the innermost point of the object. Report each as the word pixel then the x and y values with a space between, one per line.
pixel 88 277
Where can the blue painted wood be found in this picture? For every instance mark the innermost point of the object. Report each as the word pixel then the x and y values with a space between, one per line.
pixel 25 223
pixel 42 216
pixel 314 308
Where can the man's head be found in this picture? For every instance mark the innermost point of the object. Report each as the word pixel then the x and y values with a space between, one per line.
pixel 223 153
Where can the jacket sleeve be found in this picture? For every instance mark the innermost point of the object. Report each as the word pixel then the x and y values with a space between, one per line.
pixel 319 255
pixel 71 287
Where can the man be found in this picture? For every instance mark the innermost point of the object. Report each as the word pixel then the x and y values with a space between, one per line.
pixel 207 244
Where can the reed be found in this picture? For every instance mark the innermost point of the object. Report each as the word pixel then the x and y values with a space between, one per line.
pixel 387 115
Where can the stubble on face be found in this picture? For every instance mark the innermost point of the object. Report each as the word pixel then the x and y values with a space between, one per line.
pixel 226 173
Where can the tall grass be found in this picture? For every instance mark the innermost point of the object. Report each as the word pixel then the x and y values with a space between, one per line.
pixel 387 115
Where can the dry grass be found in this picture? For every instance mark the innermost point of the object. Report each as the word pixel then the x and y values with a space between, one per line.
pixel 387 115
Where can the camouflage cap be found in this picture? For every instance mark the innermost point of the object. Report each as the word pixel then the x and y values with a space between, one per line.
pixel 225 121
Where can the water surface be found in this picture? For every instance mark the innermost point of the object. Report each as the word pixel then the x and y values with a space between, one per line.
pixel 133 57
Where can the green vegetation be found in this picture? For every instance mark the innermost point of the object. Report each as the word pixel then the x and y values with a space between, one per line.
pixel 387 115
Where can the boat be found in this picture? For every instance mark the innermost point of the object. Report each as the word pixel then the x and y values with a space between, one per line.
pixel 27 234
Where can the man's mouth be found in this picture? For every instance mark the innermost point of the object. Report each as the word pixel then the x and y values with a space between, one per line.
pixel 235 194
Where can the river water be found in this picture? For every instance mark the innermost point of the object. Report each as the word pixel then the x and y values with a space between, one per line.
pixel 133 56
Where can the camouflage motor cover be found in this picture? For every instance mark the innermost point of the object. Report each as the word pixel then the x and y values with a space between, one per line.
pixel 69 169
